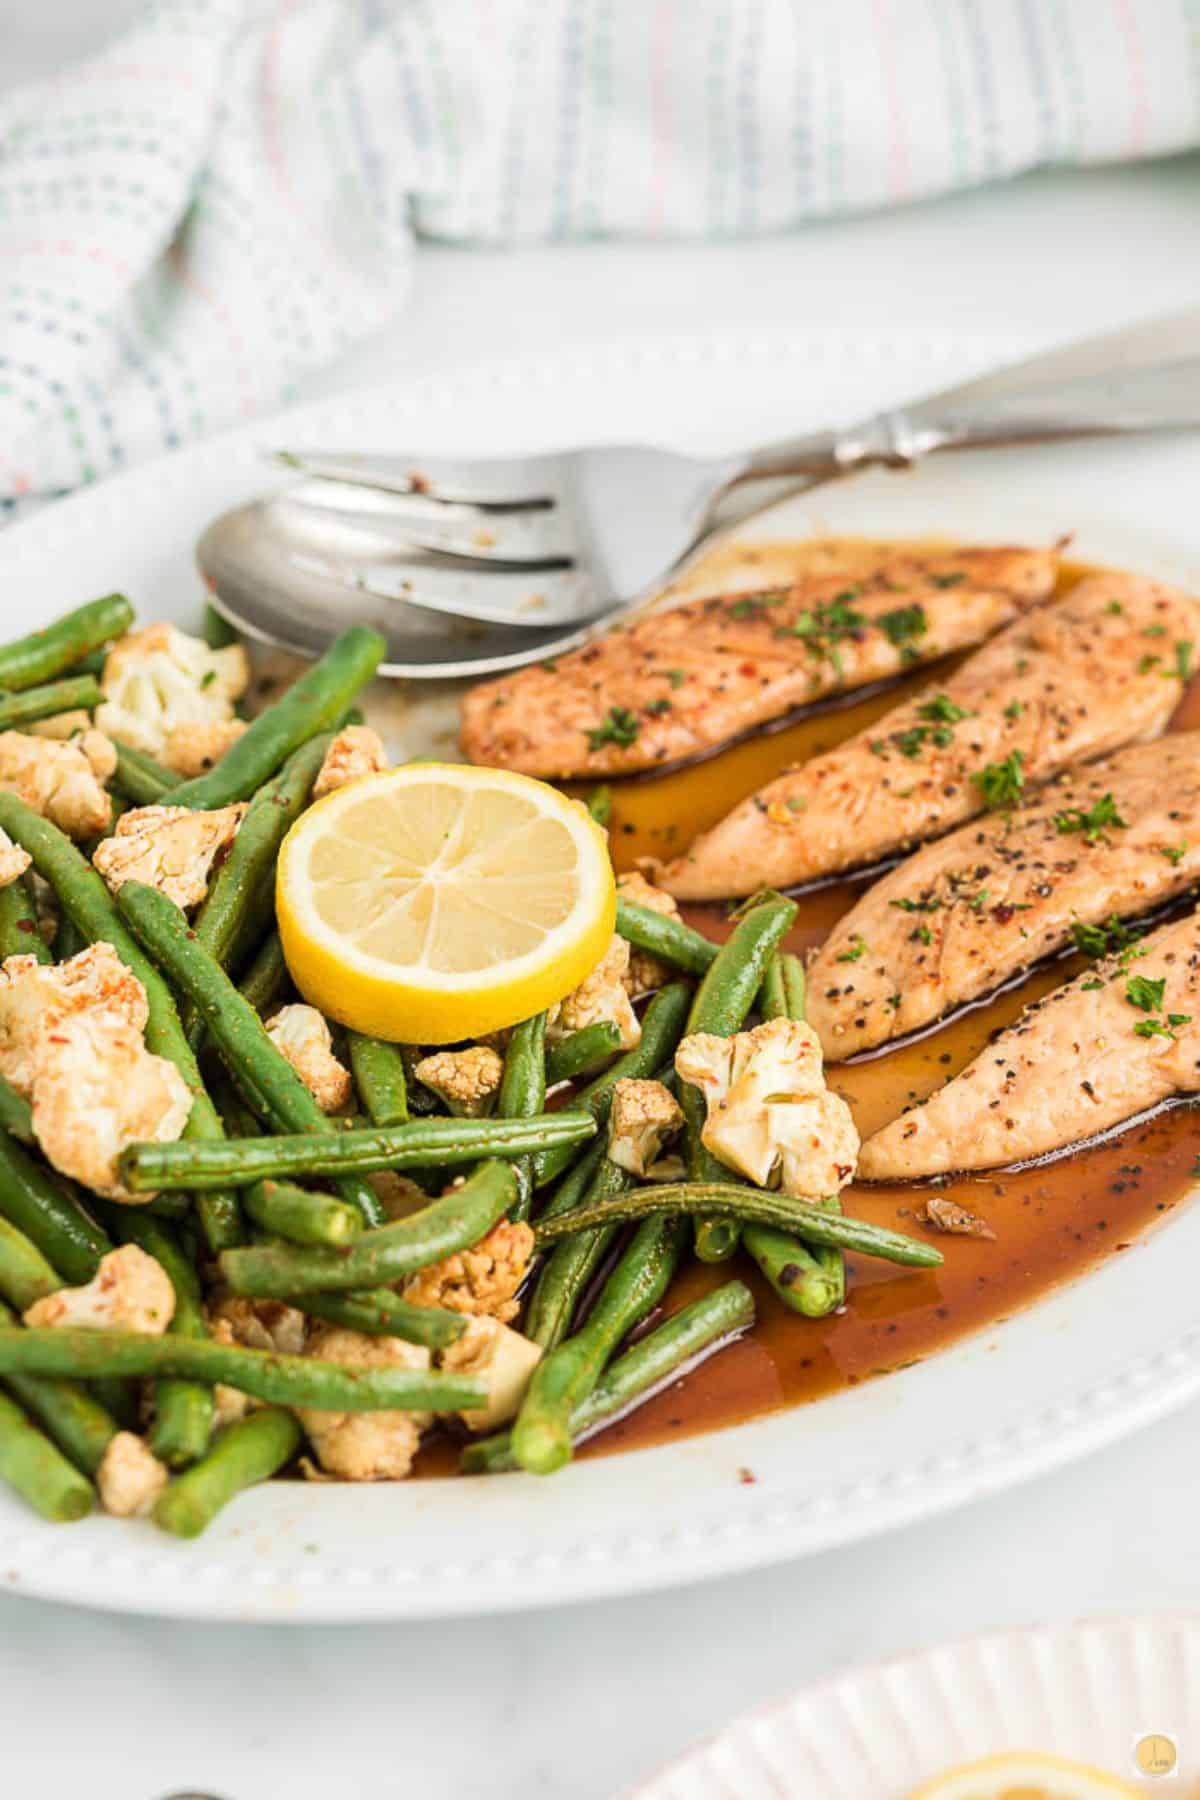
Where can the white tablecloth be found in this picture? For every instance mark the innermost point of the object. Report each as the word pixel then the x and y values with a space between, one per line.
pixel 580 1702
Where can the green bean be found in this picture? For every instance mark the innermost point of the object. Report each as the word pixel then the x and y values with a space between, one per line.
pixel 423 1143
pixel 77 692
pixel 183 1410
pixel 140 778
pixel 758 1205
pixel 234 1026
pixel 41 1474
pixel 91 664
pixel 661 1356
pixel 565 1274
pixel 300 1216
pixel 19 931
pixel 582 1051
pixel 802 1282
pixel 49 1216
pixel 454 1222
pixel 541 1437
pixel 68 939
pixel 665 938
pixel 576 1182
pixel 25 1275
pixel 249 1452
pixel 599 803
pixel 267 976
pixel 88 904
pixel 661 1029
pixel 267 1375
pixel 722 1001
pixel 380 1078
pixel 76 1421
pixel 379 1312
pixel 523 1096
pixel 312 704
pixel 47 653
pixel 16 1115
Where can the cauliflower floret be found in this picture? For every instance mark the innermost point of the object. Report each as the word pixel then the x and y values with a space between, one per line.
pixel 301 1034
pixel 160 685
pixel 130 1291
pixel 170 848
pixel 467 1080
pixel 364 1446
pixel 130 1478
pixel 504 1359
pixel 63 725
pixel 259 1325
pixel 33 997
pixel 62 782
pixel 602 997
pixel 96 1088
pixel 645 974
pixel 355 751
pixel 770 1115
pixel 13 860
pixel 644 1115
pixel 482 1280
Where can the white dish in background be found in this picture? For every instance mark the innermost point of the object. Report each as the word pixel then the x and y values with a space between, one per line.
pixel 1091 1692
pixel 1013 1401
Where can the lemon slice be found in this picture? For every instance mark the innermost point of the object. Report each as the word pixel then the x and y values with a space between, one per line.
pixel 440 901
pixel 1025 1775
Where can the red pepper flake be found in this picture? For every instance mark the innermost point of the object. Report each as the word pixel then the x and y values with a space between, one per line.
pixel 748 668
pixel 747 1477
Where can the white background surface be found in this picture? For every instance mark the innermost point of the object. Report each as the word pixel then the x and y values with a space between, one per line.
pixel 581 1702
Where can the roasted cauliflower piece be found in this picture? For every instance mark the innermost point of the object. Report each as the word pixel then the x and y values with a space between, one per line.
pixel 96 1088
pixel 170 848
pixel 301 1034
pixel 33 997
pixel 63 725
pixel 259 1324
pixel 130 1477
pixel 370 1446
pixel 644 1115
pixel 502 1358
pixel 130 1291
pixel 170 695
pixel 62 782
pixel 601 997
pixel 483 1280
pixel 13 860
pixel 645 974
pixel 770 1115
pixel 467 1080
pixel 355 751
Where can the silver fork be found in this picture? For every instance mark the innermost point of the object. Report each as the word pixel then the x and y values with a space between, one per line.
pixel 476 564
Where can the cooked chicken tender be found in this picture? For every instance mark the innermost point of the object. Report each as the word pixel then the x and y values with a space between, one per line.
pixel 301 1034
pixel 500 1356
pixel 467 1080
pixel 168 694
pixel 645 974
pixel 13 860
pixel 130 1477
pixel 482 1280
pixel 33 997
pixel 770 1115
pixel 602 998
pixel 62 782
pixel 643 1116
pixel 96 1089
pixel 364 1446
pixel 170 848
pixel 355 751
pixel 130 1291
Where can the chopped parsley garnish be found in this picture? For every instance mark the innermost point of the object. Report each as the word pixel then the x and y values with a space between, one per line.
pixel 1093 981
pixel 1147 1028
pixel 1183 659
pixel 208 677
pixel 978 901
pixel 1174 853
pixel 751 604
pixel 827 625
pixel 908 743
pixel 656 707
pixel 1147 663
pixel 942 710
pixel 1155 631
pixel 618 727
pixel 856 950
pixel 903 624
pixel 1014 709
pixel 1114 607
pixel 894 1002
pixel 948 581
pixel 1103 940
pixel 916 906
pixel 1000 783
pixel 923 934
pixel 1099 818
pixel 1145 994
pixel 1177 1019
pixel 676 677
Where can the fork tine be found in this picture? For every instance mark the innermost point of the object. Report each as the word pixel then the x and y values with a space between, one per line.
pixel 485 537
pixel 497 484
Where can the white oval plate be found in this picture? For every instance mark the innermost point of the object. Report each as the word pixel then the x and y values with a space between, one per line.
pixel 1093 1692
pixel 957 1427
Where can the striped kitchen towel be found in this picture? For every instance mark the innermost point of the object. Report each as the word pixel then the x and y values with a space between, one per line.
pixel 229 195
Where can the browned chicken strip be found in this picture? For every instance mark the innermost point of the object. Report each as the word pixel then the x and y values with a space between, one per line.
pixel 1107 1046
pixel 963 915
pixel 681 682
pixel 1103 666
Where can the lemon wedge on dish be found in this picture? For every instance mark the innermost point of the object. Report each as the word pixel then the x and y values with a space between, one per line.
pixel 439 901
pixel 1025 1775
